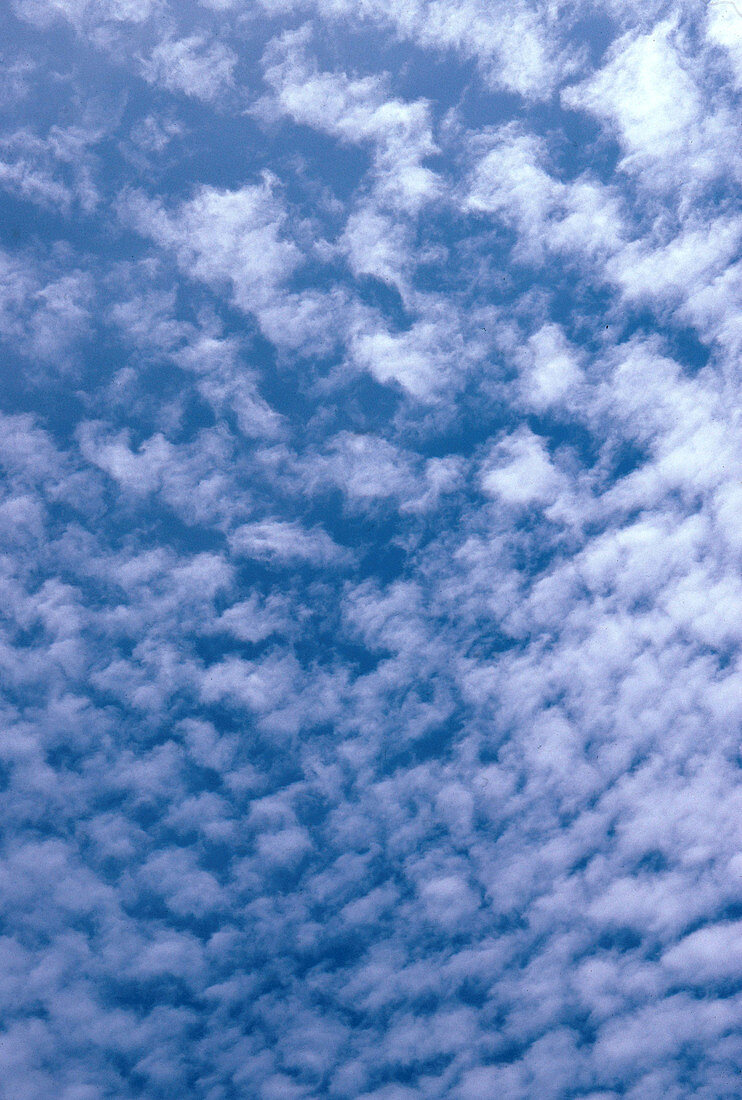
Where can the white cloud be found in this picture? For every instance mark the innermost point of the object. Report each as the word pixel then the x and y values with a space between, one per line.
pixel 277 540
pixel 512 46
pixel 518 471
pixel 225 237
pixel 357 112
pixel 510 181
pixel 645 92
pixel 552 370
pixel 724 29
pixel 44 312
pixel 192 65
pixel 81 13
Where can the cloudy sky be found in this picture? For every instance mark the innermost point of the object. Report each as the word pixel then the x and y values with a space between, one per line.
pixel 371 523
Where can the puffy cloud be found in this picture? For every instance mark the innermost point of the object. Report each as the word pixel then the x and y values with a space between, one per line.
pixel 510 181
pixel 646 93
pixel 519 472
pixel 231 238
pixel 191 65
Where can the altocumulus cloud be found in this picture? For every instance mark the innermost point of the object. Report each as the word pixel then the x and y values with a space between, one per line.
pixel 371 589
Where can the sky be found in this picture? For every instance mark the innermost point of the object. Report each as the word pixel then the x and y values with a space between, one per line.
pixel 371 546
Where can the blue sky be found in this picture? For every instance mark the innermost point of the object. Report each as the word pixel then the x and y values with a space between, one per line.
pixel 371 634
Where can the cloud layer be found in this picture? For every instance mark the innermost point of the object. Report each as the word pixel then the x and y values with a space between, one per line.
pixel 371 636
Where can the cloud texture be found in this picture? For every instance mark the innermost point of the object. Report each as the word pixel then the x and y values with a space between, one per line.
pixel 371 565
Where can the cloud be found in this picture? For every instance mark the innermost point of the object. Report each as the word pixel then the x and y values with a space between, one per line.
pixel 82 12
pixel 357 112
pixel 513 49
pixel 44 311
pixel 286 542
pixel 646 93
pixel 582 218
pixel 658 101
pixel 519 472
pixel 723 30
pixel 370 552
pixel 225 237
pixel 191 65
